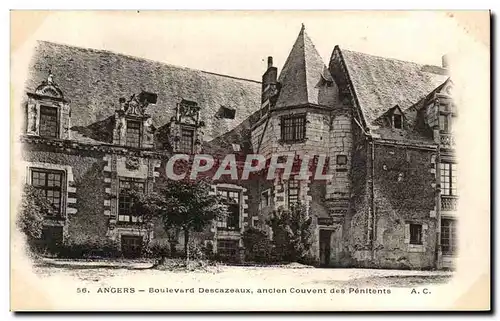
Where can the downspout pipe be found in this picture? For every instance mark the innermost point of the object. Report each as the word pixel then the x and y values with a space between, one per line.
pixel 371 174
pixel 372 218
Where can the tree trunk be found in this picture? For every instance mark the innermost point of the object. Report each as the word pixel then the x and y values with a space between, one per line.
pixel 173 251
pixel 186 246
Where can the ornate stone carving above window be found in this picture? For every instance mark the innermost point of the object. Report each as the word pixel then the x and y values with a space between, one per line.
pixel 132 163
pixel 188 112
pixel 133 126
pixel 48 112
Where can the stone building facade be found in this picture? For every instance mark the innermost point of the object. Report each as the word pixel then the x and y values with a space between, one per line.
pixel 98 123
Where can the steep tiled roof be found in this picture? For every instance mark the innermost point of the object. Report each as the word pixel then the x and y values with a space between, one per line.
pixel 94 80
pixel 303 74
pixel 381 83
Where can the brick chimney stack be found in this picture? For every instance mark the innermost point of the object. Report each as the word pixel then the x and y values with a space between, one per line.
pixel 269 81
pixel 445 61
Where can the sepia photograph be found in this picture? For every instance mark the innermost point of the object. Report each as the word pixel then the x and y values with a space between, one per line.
pixel 250 161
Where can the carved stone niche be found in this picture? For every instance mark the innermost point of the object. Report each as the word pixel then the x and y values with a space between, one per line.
pixel 187 116
pixel 47 104
pixel 133 111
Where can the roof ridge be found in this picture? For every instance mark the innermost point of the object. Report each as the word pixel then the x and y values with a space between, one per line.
pixel 145 59
pixel 304 34
pixel 388 58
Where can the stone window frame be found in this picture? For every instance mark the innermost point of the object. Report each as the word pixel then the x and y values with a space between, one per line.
pixel 47 188
pixel 407 237
pixel 416 233
pixel 135 143
pixel 341 163
pixel 67 203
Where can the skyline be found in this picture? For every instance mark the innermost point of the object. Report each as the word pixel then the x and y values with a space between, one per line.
pixel 177 39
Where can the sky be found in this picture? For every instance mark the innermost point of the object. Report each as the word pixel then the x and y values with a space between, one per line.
pixel 238 43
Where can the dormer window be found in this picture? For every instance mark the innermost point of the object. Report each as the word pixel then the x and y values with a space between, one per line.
pixel 133 136
pixel 397 121
pixel 227 113
pixel 133 126
pixel 47 112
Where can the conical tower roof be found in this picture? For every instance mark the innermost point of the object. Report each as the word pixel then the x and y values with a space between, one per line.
pixel 302 75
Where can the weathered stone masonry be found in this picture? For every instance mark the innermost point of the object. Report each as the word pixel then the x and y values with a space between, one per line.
pixel 383 124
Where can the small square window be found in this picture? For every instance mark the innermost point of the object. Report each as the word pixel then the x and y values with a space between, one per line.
pixel 341 160
pixel 416 234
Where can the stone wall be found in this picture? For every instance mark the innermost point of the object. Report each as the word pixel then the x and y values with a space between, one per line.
pixel 404 190
pixel 86 221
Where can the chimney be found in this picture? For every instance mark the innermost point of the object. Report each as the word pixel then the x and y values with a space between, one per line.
pixel 445 61
pixel 269 79
pixel 269 62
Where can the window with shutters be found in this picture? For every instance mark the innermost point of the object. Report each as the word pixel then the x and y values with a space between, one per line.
pixel 293 128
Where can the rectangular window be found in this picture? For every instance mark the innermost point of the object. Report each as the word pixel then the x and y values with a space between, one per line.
pixel 446 122
pixel 415 233
pixel 50 182
pixel 265 199
pixel 133 138
pixel 186 140
pixel 448 174
pixel 125 213
pixel 293 128
pixel 398 121
pixel 232 201
pixel 49 125
pixel 293 192
pixel 448 236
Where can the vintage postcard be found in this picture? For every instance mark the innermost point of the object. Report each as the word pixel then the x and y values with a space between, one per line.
pixel 250 161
